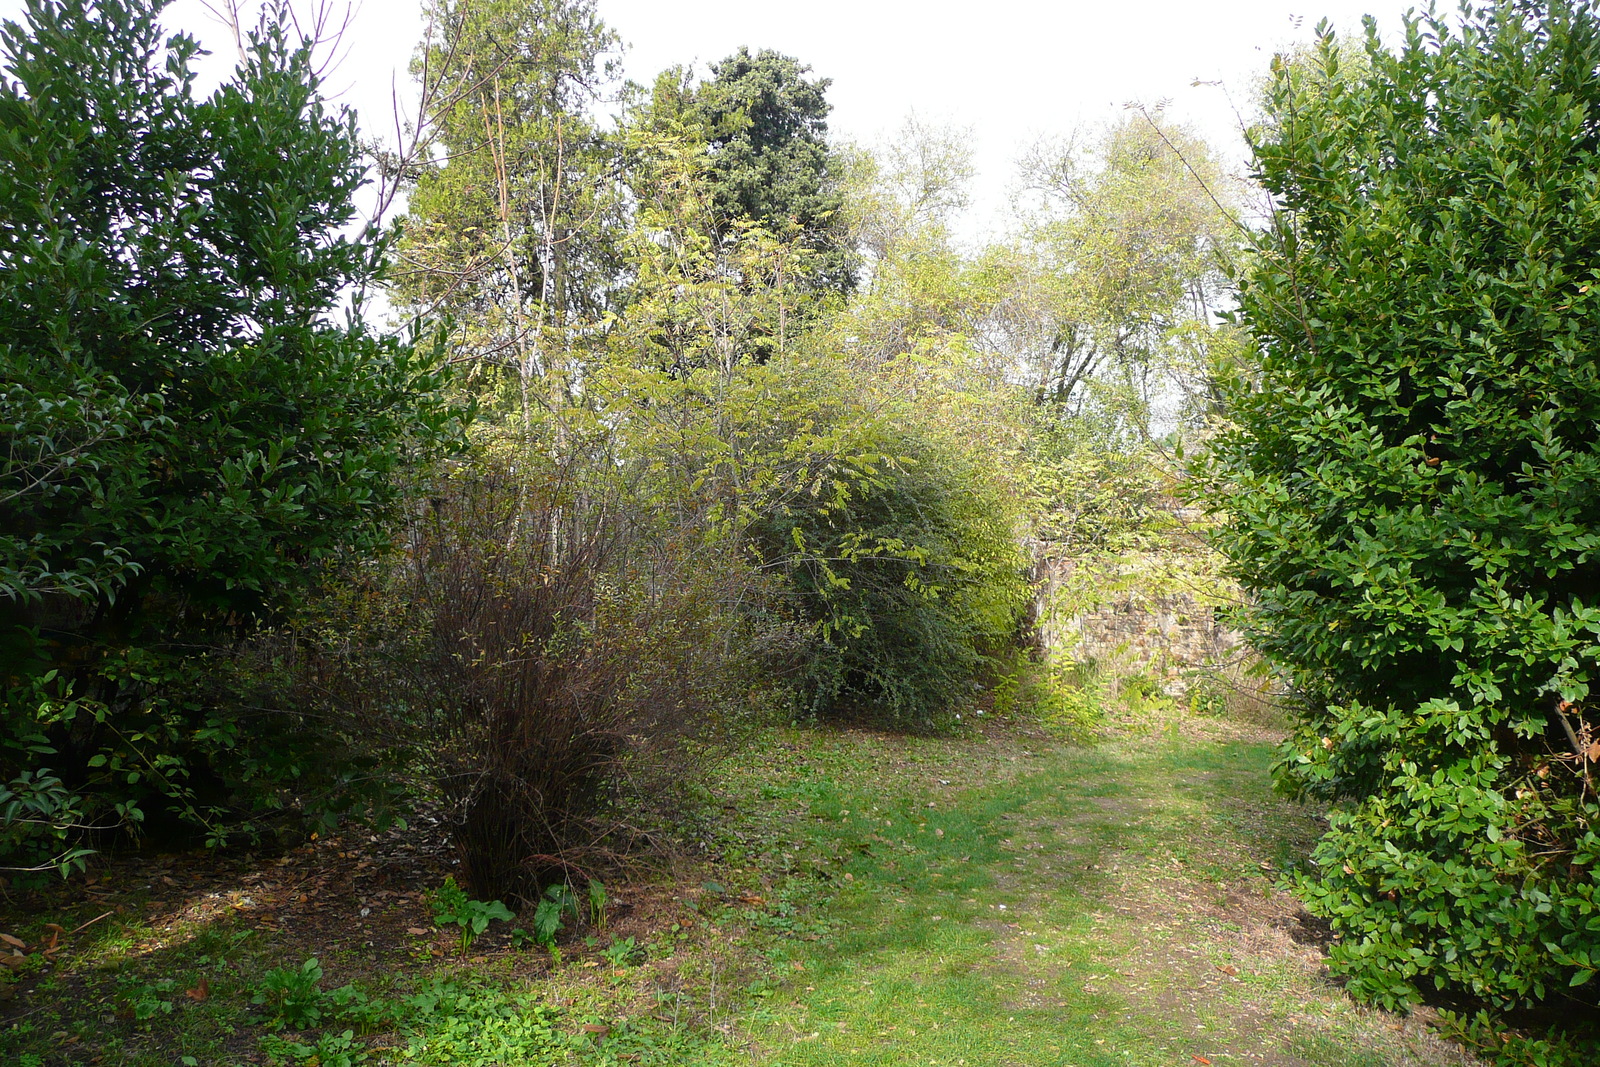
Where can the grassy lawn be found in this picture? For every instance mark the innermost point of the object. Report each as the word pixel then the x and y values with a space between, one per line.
pixel 1018 901
pixel 998 899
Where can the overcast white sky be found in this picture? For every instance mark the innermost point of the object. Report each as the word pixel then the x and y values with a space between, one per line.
pixel 1011 70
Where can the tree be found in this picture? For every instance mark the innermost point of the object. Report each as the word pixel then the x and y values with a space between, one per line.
pixel 186 433
pixel 1119 271
pixel 1411 491
pixel 901 199
pixel 702 293
pixel 766 125
pixel 512 227
pixel 909 189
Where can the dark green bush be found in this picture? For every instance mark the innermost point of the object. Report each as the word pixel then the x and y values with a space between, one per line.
pixel 186 433
pixel 1414 492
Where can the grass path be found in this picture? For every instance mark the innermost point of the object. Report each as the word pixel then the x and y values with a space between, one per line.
pixel 996 900
pixel 1001 905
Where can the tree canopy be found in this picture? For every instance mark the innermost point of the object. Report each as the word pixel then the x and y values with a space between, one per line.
pixel 515 213
pixel 766 125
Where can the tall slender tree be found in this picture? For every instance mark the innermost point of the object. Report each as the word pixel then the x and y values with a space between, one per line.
pixel 512 226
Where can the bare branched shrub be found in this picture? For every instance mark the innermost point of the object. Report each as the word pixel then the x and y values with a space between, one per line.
pixel 552 661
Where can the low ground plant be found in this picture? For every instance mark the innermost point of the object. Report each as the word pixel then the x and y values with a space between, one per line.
pixel 551 915
pixel 1064 697
pixel 451 907
pixel 293 996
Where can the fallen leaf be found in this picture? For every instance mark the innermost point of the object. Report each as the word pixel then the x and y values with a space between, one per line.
pixel 1201 1060
pixel 201 991
pixel 18 942
pixel 1229 971
pixel 416 931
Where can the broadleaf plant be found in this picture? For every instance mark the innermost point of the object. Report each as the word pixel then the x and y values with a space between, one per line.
pixel 451 906
pixel 1413 493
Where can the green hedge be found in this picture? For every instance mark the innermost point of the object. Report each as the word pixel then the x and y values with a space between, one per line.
pixel 1414 492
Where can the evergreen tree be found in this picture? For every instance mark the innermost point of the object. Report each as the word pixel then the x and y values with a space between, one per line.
pixel 188 431
pixel 766 124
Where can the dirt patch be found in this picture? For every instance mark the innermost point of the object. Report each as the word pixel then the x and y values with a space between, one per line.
pixel 356 902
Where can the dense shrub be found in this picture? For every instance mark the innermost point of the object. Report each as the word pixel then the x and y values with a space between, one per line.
pixel 912 578
pixel 899 550
pixel 185 432
pixel 1414 489
pixel 863 490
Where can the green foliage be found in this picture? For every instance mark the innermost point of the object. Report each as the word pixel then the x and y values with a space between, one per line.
pixel 870 489
pixel 706 292
pixel 1118 271
pixel 549 918
pixel 330 1050
pixel 450 905
pixel 1065 698
pixel 460 1025
pixel 186 432
pixel 1412 492
pixel 39 815
pixel 294 995
pixel 181 414
pixel 145 1000
pixel 903 554
pixel 621 952
pixel 512 227
pixel 766 125
pixel 1488 1035
pixel 709 412
pixel 1102 492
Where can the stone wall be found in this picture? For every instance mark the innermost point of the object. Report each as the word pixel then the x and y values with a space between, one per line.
pixel 1142 619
